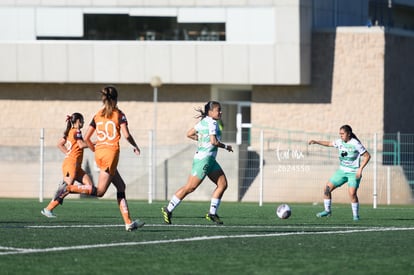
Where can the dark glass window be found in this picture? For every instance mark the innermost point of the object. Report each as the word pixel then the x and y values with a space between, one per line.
pixel 126 27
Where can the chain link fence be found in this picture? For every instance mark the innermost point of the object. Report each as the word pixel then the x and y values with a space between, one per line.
pixel 270 165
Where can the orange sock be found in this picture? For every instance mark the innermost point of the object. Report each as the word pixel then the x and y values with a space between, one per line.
pixel 123 207
pixel 52 205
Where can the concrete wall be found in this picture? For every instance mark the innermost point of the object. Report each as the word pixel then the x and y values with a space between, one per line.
pixel 347 86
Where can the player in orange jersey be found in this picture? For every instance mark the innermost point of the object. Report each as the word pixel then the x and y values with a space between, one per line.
pixel 108 124
pixel 72 145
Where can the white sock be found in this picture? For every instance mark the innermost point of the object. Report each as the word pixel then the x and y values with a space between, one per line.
pixel 327 203
pixel 174 202
pixel 215 203
pixel 355 208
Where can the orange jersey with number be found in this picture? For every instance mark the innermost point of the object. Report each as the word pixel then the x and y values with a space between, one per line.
pixel 73 161
pixel 108 130
pixel 108 134
pixel 74 151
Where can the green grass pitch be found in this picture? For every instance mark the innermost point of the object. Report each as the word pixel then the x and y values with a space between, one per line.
pixel 88 237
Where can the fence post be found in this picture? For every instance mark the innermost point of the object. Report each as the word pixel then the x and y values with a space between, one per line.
pixel 375 173
pixel 42 168
pixel 261 168
pixel 388 185
pixel 150 165
pixel 398 148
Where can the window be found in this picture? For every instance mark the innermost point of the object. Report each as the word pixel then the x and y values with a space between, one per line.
pixel 126 27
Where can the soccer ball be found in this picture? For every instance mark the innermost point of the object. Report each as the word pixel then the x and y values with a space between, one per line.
pixel 283 211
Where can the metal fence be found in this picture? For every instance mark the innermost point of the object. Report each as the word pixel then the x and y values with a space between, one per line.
pixel 271 165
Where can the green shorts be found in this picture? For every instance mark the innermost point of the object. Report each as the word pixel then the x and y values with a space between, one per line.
pixel 340 177
pixel 202 167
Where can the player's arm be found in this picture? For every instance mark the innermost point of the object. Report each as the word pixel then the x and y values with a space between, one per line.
pixel 79 140
pixel 321 142
pixel 365 159
pixel 88 136
pixel 61 146
pixel 192 134
pixel 125 132
pixel 81 143
pixel 218 143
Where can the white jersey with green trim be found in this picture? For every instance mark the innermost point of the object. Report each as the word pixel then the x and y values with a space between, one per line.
pixel 349 154
pixel 206 127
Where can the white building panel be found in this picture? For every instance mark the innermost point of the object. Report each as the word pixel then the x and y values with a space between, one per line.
pixel 157 61
pixel 59 22
pixel 210 63
pixel 55 63
pixel 8 57
pixel 250 25
pixel 106 62
pixel 154 2
pixel 83 3
pixel 54 2
pixel 167 12
pixel 183 63
pixel 29 62
pixel 106 10
pixel 201 15
pixel 7 2
pixel 261 67
pixel 288 64
pixel 235 64
pixel 105 2
pixel 203 3
pixel 132 63
pixel 17 24
pixel 80 62
pixel 28 2
pixel 287 24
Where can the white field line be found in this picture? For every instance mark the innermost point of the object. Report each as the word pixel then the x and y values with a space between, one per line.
pixel 194 239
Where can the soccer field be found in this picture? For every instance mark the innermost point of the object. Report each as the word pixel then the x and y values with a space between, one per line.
pixel 88 237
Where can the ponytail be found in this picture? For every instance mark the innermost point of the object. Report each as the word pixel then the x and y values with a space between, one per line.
pixel 110 99
pixel 207 107
pixel 70 121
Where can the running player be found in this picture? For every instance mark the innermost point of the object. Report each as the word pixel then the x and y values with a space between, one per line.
pixel 72 145
pixel 108 124
pixel 207 134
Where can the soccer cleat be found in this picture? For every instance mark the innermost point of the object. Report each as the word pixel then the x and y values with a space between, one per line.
pixel 323 214
pixel 134 225
pixel 214 218
pixel 356 218
pixel 166 214
pixel 61 189
pixel 47 213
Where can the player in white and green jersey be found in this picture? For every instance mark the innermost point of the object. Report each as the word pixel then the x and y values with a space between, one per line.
pixel 207 133
pixel 350 169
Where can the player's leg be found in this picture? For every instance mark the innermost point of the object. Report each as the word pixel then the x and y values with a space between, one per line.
pixel 83 178
pixel 68 170
pixel 198 173
pixel 335 181
pixel 86 187
pixel 327 200
pixel 353 185
pixel 123 204
pixel 192 183
pixel 217 176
